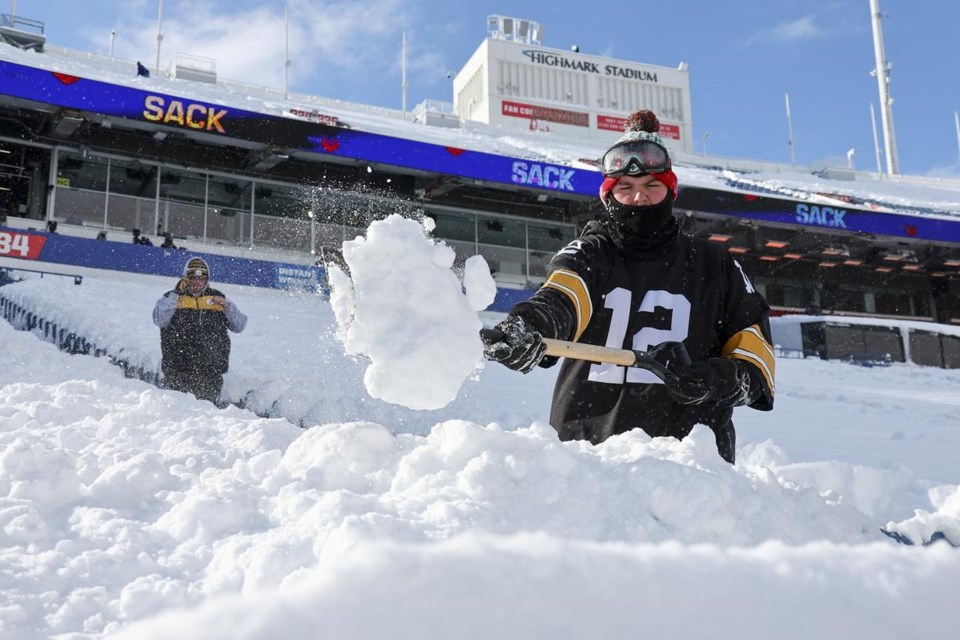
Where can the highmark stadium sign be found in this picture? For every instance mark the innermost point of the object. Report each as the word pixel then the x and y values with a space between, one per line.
pixel 551 59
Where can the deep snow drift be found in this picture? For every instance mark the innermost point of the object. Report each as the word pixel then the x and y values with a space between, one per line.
pixel 121 503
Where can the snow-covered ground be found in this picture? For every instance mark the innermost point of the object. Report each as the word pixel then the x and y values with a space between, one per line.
pixel 129 510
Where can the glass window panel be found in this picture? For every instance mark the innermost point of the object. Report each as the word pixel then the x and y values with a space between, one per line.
pixel 283 233
pixel 330 236
pixel 893 303
pixel 503 232
pixel 229 193
pixel 228 225
pixel 282 202
pixel 14 192
pixel 180 219
pixel 841 298
pixel 454 226
pixel 183 186
pixel 133 178
pixel 951 351
pixel 549 237
pixel 880 342
pixel 539 260
pixel 78 172
pixel 843 342
pixel 782 294
pixel 131 213
pixel 83 206
pixel 504 261
pixel 925 348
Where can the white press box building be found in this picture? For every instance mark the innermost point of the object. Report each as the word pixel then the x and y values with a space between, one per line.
pixel 513 81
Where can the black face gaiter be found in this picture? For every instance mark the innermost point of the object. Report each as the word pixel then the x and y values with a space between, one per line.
pixel 636 228
pixel 642 221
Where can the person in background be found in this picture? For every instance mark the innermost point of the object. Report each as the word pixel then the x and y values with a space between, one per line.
pixel 168 241
pixel 633 280
pixel 141 239
pixel 5 277
pixel 195 346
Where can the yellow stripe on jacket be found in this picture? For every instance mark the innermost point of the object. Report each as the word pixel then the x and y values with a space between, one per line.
pixel 203 303
pixel 750 345
pixel 574 288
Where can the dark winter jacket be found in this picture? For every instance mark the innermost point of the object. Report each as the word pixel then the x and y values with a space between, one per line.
pixel 193 330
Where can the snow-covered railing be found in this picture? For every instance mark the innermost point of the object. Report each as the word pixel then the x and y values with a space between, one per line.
pixel 23 319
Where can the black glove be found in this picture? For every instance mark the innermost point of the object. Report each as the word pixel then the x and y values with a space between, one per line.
pixel 515 344
pixel 715 380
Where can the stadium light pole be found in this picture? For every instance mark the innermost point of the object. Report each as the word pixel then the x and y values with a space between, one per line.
pixel 403 73
pixel 956 121
pixel 113 36
pixel 876 140
pixel 706 134
pixel 790 140
pixel 159 34
pixel 882 73
pixel 286 52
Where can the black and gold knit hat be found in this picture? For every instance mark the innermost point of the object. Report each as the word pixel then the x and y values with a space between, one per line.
pixel 196 267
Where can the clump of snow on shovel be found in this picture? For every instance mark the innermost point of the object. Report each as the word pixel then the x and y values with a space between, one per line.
pixel 404 308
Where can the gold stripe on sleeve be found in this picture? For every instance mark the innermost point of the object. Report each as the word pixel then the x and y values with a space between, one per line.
pixel 750 345
pixel 575 288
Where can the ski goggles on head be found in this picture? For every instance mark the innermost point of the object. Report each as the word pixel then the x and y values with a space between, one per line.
pixel 635 158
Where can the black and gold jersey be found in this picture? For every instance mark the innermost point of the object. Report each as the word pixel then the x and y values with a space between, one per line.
pixel 685 289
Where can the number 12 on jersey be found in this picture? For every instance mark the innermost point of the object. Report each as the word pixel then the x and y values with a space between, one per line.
pixel 618 301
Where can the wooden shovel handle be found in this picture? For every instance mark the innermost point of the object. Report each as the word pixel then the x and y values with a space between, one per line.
pixel 666 353
pixel 591 352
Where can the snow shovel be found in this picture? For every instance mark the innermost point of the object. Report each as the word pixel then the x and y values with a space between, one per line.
pixel 657 360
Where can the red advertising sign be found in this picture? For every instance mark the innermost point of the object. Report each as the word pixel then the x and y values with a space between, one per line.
pixel 610 123
pixel 614 123
pixel 547 114
pixel 671 131
pixel 21 245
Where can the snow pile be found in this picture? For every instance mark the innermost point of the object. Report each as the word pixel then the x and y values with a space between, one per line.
pixel 479 587
pixel 403 307
pixel 121 504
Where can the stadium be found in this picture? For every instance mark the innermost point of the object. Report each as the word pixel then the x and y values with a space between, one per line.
pixel 93 148
pixel 365 473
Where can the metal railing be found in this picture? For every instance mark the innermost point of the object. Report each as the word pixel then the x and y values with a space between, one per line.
pixel 76 278
pixel 8 21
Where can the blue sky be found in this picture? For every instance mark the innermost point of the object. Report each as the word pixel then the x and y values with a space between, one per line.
pixel 744 56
